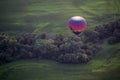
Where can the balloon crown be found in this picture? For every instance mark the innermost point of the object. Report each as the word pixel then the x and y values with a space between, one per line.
pixel 77 18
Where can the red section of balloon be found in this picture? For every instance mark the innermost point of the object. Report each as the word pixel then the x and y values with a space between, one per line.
pixel 77 28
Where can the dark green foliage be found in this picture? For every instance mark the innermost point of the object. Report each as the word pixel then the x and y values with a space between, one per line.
pixel 109 30
pixel 59 40
pixel 4 58
pixel 74 58
pixel 68 58
pixel 26 38
pixel 71 49
pixel 91 36
pixel 29 46
pixel 46 48
pixel 113 40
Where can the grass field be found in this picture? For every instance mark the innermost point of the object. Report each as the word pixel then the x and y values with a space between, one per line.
pixel 45 70
pixel 51 16
pixel 97 69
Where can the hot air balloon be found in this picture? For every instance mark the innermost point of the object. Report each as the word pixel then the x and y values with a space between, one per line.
pixel 77 24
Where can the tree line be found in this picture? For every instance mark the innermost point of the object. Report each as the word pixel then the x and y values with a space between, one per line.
pixel 64 49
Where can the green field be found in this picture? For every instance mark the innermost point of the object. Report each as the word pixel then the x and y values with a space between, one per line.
pixel 105 66
pixel 51 16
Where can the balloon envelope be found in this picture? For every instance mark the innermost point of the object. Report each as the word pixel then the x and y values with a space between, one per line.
pixel 77 24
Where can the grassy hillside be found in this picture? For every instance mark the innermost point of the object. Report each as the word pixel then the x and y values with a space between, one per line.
pixel 105 66
pixel 51 15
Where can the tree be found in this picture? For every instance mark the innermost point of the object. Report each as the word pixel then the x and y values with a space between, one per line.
pixel 90 36
pixel 59 39
pixel 26 38
pixel 70 47
pixel 68 58
pixel 5 58
pixel 47 49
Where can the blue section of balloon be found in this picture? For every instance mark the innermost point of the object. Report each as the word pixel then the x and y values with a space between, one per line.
pixel 76 22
